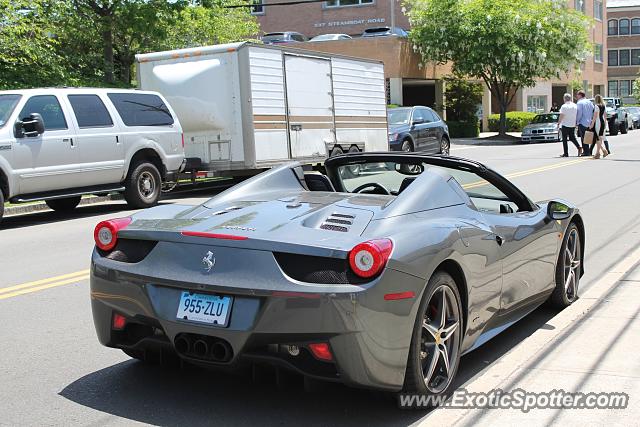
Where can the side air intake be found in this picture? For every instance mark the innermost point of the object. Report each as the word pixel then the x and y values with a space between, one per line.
pixel 338 222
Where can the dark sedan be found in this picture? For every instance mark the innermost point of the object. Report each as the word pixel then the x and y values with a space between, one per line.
pixel 417 129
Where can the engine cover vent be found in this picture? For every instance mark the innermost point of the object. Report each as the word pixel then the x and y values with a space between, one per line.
pixel 338 222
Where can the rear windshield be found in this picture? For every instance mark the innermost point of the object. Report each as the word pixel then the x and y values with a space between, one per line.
pixel 276 37
pixel 7 105
pixel 141 109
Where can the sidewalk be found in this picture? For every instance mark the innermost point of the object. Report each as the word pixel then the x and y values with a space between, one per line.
pixel 592 346
pixel 489 138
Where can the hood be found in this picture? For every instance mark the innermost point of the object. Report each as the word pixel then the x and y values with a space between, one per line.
pixel 541 125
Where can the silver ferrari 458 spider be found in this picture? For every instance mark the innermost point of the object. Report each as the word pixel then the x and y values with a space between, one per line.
pixel 379 271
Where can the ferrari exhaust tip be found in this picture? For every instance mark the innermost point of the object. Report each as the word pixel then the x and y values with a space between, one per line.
pixel 200 348
pixel 221 351
pixel 183 345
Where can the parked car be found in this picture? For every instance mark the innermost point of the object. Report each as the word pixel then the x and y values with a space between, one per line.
pixel 379 281
pixel 634 112
pixel 417 129
pixel 59 144
pixel 618 121
pixel 625 114
pixel 384 32
pixel 283 37
pixel 543 127
pixel 329 37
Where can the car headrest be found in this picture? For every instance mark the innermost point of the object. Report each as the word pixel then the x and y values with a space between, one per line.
pixel 405 183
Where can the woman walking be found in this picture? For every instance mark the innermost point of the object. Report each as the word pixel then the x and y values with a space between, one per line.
pixel 599 126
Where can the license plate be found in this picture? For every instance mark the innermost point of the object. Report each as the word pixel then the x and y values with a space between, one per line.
pixel 210 309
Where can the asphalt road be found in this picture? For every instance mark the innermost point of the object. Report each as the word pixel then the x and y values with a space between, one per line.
pixel 54 372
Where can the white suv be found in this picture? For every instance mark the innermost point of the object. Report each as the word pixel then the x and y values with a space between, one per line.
pixel 58 144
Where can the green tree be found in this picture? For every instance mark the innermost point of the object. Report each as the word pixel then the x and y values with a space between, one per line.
pixel 636 89
pixel 28 46
pixel 462 98
pixel 508 44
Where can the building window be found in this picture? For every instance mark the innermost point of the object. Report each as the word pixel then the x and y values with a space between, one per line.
pixel 343 3
pixel 579 5
pixel 613 27
pixel 623 27
pixel 625 87
pixel 537 104
pixel 597 9
pixel 257 8
pixel 613 88
pixel 635 26
pixel 612 59
pixel 625 58
pixel 635 56
pixel 597 54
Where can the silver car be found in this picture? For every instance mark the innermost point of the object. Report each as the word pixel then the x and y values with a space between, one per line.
pixel 543 128
pixel 381 280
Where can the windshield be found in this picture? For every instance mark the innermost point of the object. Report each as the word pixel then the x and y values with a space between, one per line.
pixel 7 105
pixel 545 118
pixel 610 103
pixel 399 116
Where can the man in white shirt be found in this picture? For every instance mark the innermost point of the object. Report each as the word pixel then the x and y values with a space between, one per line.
pixel 567 120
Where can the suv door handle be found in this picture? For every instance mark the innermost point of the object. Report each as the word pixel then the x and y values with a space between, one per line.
pixel 69 140
pixel 499 240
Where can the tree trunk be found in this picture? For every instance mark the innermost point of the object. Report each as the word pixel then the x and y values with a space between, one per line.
pixel 503 117
pixel 107 48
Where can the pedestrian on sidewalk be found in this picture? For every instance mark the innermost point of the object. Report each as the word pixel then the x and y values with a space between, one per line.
pixel 567 120
pixel 585 114
pixel 598 126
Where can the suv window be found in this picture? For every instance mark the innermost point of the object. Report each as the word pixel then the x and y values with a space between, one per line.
pixel 428 117
pixel 90 111
pixel 434 116
pixel 417 115
pixel 141 109
pixel 49 108
pixel 7 104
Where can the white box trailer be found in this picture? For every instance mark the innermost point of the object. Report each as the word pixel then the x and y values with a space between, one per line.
pixel 245 106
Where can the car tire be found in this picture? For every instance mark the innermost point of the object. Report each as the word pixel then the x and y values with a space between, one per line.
pixel 423 373
pixel 566 291
pixel 407 146
pixel 1 205
pixel 445 146
pixel 143 185
pixel 64 205
pixel 336 151
pixel 613 129
pixel 624 128
pixel 354 170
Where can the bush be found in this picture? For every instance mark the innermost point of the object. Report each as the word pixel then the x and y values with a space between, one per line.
pixel 468 129
pixel 516 120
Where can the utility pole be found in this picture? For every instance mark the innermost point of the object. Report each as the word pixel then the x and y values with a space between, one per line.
pixel 393 13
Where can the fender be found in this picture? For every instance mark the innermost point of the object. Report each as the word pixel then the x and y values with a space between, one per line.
pixel 12 182
pixel 142 145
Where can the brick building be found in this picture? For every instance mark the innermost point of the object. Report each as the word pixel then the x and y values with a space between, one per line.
pixel 408 83
pixel 623 44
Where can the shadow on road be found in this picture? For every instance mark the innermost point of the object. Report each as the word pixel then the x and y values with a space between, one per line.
pixel 195 396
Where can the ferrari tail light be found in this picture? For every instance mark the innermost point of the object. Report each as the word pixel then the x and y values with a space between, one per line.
pixel 369 258
pixel 321 351
pixel 106 232
pixel 119 322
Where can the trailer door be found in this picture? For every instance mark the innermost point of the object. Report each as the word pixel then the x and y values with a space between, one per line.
pixel 309 105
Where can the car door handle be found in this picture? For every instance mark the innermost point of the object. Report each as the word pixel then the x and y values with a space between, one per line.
pixel 499 240
pixel 69 140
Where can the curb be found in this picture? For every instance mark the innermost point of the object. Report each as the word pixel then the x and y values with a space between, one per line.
pixel 500 372
pixel 42 206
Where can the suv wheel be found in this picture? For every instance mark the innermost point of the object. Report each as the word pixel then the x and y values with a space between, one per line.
pixel 445 146
pixel 142 187
pixel 613 129
pixel 63 205
pixel 407 146
pixel 1 205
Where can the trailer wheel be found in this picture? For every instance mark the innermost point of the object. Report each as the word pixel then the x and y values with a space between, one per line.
pixel 354 170
pixel 142 186
pixel 337 150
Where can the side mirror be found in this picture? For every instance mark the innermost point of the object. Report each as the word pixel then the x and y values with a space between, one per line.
pixel 30 127
pixel 418 121
pixel 558 210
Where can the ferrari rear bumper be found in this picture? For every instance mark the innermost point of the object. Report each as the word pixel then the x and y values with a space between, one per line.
pixel 368 334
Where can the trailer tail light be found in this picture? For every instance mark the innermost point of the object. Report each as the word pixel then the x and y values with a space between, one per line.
pixel 106 232
pixel 369 258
